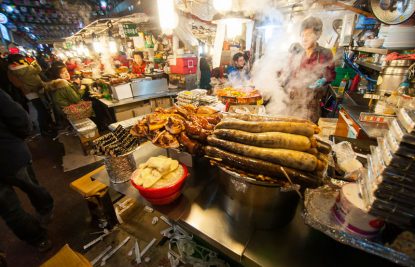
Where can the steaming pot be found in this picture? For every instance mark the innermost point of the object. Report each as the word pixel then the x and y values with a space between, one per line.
pixel 392 75
pixel 257 204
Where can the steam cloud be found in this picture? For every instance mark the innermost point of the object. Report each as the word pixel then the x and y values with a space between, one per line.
pixel 276 67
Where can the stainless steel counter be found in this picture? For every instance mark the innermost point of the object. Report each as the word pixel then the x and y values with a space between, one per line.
pixel 199 211
pixel 373 130
pixel 116 103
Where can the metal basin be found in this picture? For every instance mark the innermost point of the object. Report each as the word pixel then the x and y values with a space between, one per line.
pixel 254 203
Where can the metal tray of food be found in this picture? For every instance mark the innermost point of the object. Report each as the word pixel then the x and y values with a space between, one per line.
pixel 317 214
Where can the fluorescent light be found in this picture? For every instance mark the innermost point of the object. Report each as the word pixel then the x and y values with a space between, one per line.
pixel 167 15
pixel 112 45
pixel 98 47
pixel 222 5
pixel 233 28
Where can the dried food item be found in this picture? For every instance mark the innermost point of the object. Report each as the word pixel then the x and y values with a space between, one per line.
pixel 268 139
pixel 300 128
pixel 285 157
pixel 258 166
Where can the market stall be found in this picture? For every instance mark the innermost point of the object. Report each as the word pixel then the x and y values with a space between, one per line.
pixel 248 164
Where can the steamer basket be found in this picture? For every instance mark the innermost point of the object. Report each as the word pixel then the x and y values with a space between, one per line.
pixel 257 204
pixel 120 168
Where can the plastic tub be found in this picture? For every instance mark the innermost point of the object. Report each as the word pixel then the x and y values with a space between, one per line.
pixel 163 195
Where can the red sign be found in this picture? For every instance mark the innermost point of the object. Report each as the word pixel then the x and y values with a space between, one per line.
pixel 14 50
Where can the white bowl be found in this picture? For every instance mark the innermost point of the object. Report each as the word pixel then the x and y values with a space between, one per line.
pixel 376 43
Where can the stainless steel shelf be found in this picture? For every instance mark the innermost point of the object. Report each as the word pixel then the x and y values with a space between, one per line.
pixel 372 66
pixel 381 51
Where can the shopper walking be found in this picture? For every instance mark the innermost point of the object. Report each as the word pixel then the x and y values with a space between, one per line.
pixel 205 74
pixel 16 171
pixel 25 75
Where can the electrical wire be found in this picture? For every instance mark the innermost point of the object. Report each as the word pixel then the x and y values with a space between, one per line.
pixel 355 67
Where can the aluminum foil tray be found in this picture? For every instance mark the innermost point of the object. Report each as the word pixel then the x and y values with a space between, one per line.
pixel 317 214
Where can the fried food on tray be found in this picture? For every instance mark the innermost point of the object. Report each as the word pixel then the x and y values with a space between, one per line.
pixel 186 127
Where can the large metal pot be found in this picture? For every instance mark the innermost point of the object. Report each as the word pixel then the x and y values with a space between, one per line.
pixel 254 203
pixel 391 77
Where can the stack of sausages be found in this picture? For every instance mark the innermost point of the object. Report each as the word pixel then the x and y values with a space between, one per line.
pixel 276 148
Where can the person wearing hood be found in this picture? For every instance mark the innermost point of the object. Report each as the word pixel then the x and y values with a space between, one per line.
pixel 312 68
pixel 65 93
pixel 24 74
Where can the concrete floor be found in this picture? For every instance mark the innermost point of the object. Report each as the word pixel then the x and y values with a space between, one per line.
pixel 67 227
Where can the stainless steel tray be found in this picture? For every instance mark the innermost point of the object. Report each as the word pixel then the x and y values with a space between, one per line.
pixel 317 214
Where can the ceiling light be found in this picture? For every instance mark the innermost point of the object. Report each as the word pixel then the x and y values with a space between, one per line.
pixel 222 5
pixel 167 15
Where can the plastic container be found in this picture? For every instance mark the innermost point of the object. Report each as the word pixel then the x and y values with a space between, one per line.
pixel 163 195
pixel 120 168
pixel 185 65
pixel 343 84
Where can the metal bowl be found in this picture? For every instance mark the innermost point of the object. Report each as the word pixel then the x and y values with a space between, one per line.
pixel 255 203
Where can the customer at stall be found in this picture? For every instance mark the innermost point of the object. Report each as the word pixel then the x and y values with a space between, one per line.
pixel 138 65
pixel 238 71
pixel 65 93
pixel 25 75
pixel 17 171
pixel 71 66
pixel 307 80
pixel 204 74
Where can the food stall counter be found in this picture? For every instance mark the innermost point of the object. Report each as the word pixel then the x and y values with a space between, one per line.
pixel 112 104
pixel 363 130
pixel 199 212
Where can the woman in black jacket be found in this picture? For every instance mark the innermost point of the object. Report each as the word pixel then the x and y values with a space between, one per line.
pixel 16 170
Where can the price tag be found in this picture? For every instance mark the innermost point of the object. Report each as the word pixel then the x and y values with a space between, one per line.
pixel 371 96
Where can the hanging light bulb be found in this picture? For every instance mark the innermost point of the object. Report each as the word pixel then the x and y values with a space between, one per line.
pixel 167 15
pixel 222 5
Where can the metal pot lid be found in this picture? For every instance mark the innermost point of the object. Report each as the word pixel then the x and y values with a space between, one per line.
pixel 394 71
pixel 398 63
pixel 392 11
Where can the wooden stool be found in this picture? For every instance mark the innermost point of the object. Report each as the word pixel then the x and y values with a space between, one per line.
pixel 98 200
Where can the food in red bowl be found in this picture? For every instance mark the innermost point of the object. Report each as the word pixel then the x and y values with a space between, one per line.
pixel 164 200
pixel 160 179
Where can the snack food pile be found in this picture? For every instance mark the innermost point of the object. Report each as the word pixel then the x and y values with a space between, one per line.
pixel 184 127
pixel 158 172
pixel 116 143
pixel 274 147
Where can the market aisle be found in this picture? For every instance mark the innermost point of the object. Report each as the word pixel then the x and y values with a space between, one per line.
pixel 69 225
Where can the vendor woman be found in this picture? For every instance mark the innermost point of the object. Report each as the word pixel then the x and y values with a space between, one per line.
pixel 315 69
pixel 138 66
